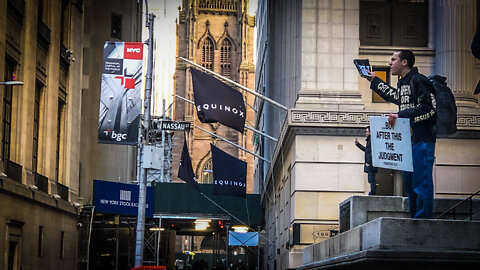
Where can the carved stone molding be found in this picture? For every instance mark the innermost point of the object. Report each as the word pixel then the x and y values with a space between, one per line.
pixel 352 118
pixel 468 121
pixel 342 118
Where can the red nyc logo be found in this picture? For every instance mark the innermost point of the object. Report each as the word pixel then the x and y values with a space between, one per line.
pixel 133 50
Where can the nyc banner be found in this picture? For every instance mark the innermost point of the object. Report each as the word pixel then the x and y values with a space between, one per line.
pixel 391 146
pixel 120 101
pixel 217 102
pixel 119 198
pixel 229 174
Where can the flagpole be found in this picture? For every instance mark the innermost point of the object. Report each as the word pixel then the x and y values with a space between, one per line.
pixel 142 183
pixel 234 144
pixel 235 83
pixel 246 126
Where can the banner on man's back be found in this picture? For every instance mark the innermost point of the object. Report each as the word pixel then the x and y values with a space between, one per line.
pixel 391 146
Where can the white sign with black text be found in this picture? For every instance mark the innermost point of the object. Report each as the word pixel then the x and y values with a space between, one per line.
pixel 391 146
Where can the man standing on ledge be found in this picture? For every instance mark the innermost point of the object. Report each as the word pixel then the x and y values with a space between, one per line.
pixel 415 97
pixel 368 165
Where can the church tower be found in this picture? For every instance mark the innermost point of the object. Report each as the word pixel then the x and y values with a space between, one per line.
pixel 218 35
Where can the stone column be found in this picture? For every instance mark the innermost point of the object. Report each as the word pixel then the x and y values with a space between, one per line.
pixel 330 42
pixel 454 33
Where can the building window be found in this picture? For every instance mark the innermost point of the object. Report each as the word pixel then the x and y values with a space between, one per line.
pixel 7 108
pixel 37 116
pixel 60 141
pixel 207 172
pixel 116 26
pixel 65 23
pixel 478 12
pixel 226 58
pixel 40 241
pixel 207 53
pixel 62 244
pixel 245 50
pixel 14 249
pixel 384 74
pixel 394 22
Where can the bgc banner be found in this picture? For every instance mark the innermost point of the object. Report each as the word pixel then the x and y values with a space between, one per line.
pixel 120 101
pixel 119 198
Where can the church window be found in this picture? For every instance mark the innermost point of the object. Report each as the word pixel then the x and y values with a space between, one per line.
pixel 207 53
pixel 225 58
pixel 207 172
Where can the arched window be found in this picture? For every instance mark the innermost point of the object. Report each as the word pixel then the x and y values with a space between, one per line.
pixel 207 172
pixel 207 54
pixel 226 58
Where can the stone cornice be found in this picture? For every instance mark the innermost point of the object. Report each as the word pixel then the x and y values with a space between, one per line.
pixel 331 118
pixel 346 123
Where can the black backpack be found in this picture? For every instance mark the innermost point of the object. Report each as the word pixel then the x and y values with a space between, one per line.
pixel 446 124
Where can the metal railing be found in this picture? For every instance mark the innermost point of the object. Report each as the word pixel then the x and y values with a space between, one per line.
pixel 14 171
pixel 452 209
pixel 41 182
pixel 62 191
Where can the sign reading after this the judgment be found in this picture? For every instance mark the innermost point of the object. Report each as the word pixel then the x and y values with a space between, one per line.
pixel 391 146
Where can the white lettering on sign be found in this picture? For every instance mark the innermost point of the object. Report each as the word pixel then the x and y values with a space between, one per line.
pixel 133 50
pixel 391 146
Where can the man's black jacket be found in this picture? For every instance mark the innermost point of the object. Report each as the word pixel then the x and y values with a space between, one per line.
pixel 415 97
pixel 368 156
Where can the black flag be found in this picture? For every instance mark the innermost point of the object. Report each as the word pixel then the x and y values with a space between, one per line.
pixel 229 174
pixel 185 170
pixel 217 102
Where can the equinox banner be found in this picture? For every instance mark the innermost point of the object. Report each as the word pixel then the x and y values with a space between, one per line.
pixel 229 174
pixel 217 102
pixel 120 101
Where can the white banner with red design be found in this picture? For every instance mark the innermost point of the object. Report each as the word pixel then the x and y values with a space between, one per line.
pixel 120 99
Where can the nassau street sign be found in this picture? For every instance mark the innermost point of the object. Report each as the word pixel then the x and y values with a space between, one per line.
pixel 172 125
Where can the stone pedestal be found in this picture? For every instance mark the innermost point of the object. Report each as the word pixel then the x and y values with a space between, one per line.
pixel 399 243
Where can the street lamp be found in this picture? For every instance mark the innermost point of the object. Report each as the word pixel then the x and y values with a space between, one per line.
pixel 11 83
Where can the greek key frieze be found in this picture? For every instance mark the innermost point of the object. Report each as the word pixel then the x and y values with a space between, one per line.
pixel 468 121
pixel 326 117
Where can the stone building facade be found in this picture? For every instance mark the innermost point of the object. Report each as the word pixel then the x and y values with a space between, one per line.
pixel 39 129
pixel 307 49
pixel 219 36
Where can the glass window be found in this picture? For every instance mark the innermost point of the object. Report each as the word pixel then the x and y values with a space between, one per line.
pixel 207 53
pixel 40 241
pixel 207 173
pixel 384 74
pixel 116 27
pixel 60 142
pixel 225 58
pixel 394 23
pixel 36 123
pixel 7 108
pixel 65 23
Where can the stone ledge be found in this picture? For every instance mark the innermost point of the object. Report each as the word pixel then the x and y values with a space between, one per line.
pixel 19 190
pixel 393 238
pixel 358 210
pixel 392 260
